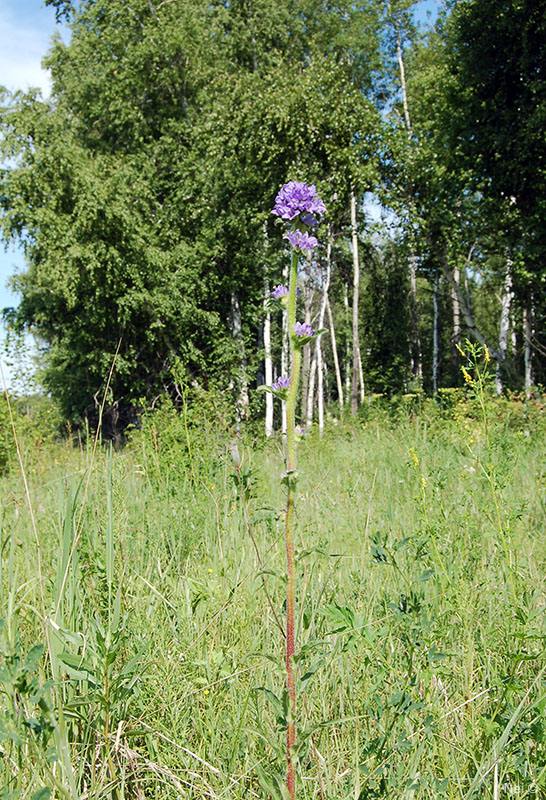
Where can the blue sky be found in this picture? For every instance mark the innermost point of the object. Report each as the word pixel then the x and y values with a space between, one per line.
pixel 26 27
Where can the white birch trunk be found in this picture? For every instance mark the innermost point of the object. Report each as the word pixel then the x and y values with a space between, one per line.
pixel 416 355
pixel 504 326
pixel 318 345
pixel 402 70
pixel 464 305
pixel 513 335
pixel 306 354
pixel 320 388
pixel 347 345
pixel 268 362
pixel 237 329
pixel 337 370
pixel 528 351
pixel 356 287
pixel 435 349
pixel 311 392
pixel 361 379
pixel 456 329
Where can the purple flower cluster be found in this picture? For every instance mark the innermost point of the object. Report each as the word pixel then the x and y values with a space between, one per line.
pixel 281 385
pixel 279 292
pixel 303 329
pixel 299 204
pixel 301 241
pixel 297 199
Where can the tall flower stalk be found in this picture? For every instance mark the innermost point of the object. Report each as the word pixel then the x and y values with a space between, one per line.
pixel 299 205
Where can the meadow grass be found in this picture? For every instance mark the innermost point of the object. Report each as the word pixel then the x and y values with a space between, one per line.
pixel 420 611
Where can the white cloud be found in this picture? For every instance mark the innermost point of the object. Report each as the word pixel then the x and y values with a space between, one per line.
pixel 22 48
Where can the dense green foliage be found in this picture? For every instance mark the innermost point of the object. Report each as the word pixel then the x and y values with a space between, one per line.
pixel 478 96
pixel 6 438
pixel 141 190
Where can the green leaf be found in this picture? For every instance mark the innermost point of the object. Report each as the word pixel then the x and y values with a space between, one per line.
pixel 77 668
pixel 272 783
pixel 42 794
pixel 277 704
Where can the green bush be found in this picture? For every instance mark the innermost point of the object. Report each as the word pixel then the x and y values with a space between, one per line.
pixel 7 446
pixel 186 440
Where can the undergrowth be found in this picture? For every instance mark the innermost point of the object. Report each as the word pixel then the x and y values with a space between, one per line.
pixel 420 549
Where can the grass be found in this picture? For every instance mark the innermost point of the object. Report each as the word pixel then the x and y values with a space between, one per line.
pixel 420 612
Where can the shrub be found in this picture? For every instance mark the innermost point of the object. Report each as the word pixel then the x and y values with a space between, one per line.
pixel 7 445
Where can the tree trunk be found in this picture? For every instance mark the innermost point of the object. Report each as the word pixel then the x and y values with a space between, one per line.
pixel 435 348
pixel 318 345
pixel 528 351
pixel 339 382
pixel 356 287
pixel 416 354
pixel 402 71
pixel 347 343
pixel 504 326
pixel 306 355
pixel 268 362
pixel 513 332
pixel 320 387
pixel 466 311
pixel 456 330
pixel 311 392
pixel 237 330
pixel 361 379
pixel 320 384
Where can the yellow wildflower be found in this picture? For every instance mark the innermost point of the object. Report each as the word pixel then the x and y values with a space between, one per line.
pixel 467 376
pixel 486 353
pixel 460 349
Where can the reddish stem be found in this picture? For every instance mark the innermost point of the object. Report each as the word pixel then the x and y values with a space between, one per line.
pixel 290 645
pixel 291 496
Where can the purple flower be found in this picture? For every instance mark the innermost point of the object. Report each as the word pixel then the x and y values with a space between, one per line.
pixel 301 241
pixel 303 329
pixel 297 198
pixel 281 291
pixel 281 385
pixel 308 219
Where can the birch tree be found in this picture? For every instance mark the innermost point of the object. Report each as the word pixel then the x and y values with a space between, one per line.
pixel 335 356
pixel 356 290
pixel 504 326
pixel 318 347
pixel 268 360
pixel 399 18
